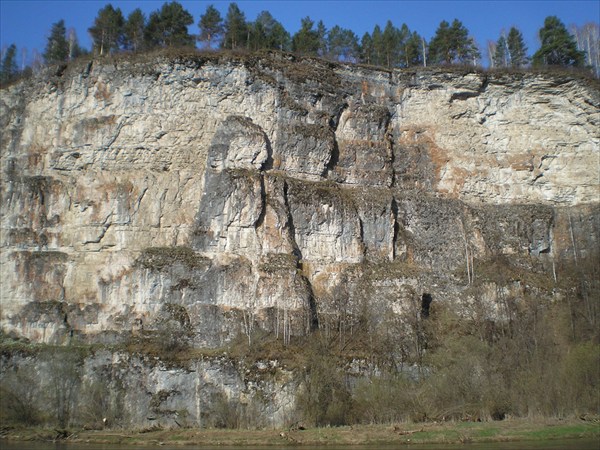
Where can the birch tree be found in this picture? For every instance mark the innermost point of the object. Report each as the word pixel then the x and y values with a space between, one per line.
pixel 588 41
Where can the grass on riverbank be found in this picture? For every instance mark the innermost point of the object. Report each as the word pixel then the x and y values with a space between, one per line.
pixel 403 433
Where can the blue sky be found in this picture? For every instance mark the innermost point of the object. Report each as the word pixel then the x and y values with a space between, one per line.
pixel 27 23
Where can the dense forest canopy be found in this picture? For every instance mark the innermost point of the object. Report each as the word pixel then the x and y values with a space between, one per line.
pixel 389 46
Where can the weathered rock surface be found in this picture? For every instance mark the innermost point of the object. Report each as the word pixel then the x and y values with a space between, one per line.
pixel 247 162
pixel 124 389
pixel 215 196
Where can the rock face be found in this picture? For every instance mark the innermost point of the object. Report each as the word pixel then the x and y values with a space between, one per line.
pixel 217 196
pixel 270 169
pixel 131 389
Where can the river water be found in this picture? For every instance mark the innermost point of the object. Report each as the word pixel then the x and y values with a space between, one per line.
pixel 571 444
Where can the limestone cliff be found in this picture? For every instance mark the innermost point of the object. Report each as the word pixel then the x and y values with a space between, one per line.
pixel 253 185
pixel 214 196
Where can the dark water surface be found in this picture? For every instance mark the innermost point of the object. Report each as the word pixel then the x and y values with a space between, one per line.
pixel 571 444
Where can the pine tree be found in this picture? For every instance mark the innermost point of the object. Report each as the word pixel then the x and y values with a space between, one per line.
pixel 258 35
pixel 236 29
pixel 342 44
pixel 413 50
pixel 440 46
pixel 473 54
pixel 378 47
pixel 211 26
pixel 57 47
pixel 517 49
pixel 107 31
pixel 404 39
pixel 366 49
pixel 268 33
pixel 322 39
pixel 451 44
pixel 278 38
pixel 133 31
pixel 501 53
pixel 558 47
pixel 168 27
pixel 306 40
pixel 391 44
pixel 463 46
pixel 8 68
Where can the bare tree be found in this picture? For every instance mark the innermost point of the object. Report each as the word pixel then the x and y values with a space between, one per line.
pixel 491 49
pixel 588 40
pixel 23 58
pixel 37 61
pixel 65 369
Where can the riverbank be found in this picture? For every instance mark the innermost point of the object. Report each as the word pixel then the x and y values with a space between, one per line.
pixel 403 433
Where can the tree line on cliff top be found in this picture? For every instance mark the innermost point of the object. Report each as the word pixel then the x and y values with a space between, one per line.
pixel 389 47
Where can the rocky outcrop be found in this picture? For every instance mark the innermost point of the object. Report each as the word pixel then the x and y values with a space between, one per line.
pixel 270 168
pixel 116 389
pixel 215 196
